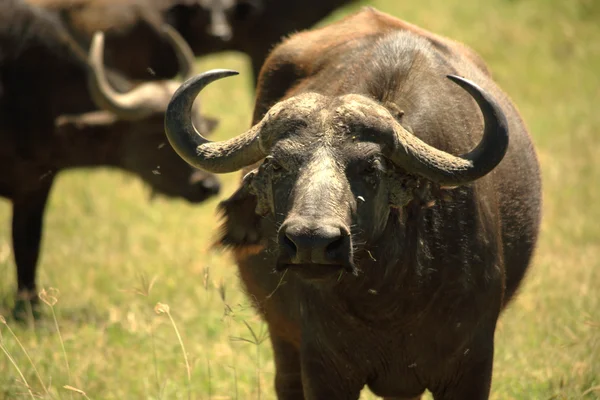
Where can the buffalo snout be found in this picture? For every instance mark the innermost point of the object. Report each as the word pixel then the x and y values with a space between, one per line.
pixel 205 185
pixel 306 244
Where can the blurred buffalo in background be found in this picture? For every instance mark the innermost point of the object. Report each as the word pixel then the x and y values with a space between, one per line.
pixel 253 27
pixel 134 43
pixel 59 109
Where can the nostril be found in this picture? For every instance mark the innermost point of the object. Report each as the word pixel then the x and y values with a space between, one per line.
pixel 205 183
pixel 305 243
pixel 212 186
pixel 289 245
pixel 336 245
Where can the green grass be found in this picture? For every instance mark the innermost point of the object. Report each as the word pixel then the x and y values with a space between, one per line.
pixel 114 255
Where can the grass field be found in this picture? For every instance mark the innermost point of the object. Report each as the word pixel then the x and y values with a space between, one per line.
pixel 113 254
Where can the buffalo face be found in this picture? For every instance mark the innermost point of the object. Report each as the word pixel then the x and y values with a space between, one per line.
pixel 225 13
pixel 327 191
pixel 217 22
pixel 138 147
pixel 139 122
pixel 147 154
pixel 331 168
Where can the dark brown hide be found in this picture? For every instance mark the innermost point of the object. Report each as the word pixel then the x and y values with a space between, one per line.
pixel 431 267
pixel 135 45
pixel 255 26
pixel 48 123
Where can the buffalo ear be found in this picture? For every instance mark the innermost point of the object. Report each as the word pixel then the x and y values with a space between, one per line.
pixel 240 222
pixel 395 110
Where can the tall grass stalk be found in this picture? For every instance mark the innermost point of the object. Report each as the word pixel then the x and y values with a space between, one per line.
pixel 37 374
pixel 50 297
pixel 74 389
pixel 235 381
pixel 164 309
pixel 209 380
pixel 13 362
pixel 256 340
pixel 145 286
pixel 155 361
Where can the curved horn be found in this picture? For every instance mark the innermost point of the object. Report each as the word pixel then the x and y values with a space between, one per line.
pixel 135 104
pixel 145 99
pixel 218 157
pixel 418 157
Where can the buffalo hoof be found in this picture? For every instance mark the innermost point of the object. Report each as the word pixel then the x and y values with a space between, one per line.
pixel 26 308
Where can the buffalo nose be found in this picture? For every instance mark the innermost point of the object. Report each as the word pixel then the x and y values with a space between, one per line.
pixel 211 185
pixel 326 243
pixel 207 183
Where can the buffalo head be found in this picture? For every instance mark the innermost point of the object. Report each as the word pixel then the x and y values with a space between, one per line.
pixel 332 168
pixel 219 19
pixel 131 123
pixel 147 98
pixel 223 12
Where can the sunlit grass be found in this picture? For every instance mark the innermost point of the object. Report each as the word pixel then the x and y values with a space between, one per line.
pixel 114 254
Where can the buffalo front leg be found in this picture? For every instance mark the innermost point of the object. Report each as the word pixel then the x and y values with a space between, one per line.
pixel 288 376
pixel 472 380
pixel 27 223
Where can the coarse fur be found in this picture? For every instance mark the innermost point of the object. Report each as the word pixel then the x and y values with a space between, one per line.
pixel 49 123
pixel 432 267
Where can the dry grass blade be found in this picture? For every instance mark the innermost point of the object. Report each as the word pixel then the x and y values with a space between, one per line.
pixel 241 339
pixel 74 389
pixel 593 324
pixel 591 390
pixel 50 297
pixel 14 363
pixel 37 374
pixel 221 289
pixel 235 381
pixel 162 308
pixel 256 340
pixel 145 285
pixel 206 273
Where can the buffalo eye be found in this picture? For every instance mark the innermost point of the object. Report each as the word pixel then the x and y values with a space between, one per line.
pixel 372 166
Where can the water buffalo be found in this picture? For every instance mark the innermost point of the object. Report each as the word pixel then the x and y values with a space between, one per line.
pixel 59 110
pixel 249 26
pixel 134 42
pixel 135 45
pixel 376 255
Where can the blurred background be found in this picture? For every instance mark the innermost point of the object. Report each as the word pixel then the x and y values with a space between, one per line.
pixel 114 250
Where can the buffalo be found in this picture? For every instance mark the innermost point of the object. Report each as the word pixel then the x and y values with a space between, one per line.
pixel 252 27
pixel 134 44
pixel 376 255
pixel 60 109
